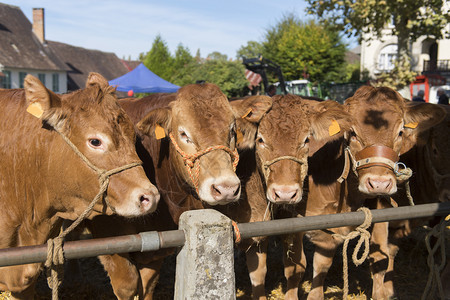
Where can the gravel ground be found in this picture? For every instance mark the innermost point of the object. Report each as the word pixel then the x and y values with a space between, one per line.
pixel 410 278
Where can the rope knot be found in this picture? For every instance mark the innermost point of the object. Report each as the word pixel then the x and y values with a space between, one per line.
pixel 364 237
pixel 189 162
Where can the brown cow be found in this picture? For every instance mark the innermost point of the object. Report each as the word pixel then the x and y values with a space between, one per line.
pixel 274 169
pixel 194 119
pixel 384 127
pixel 430 162
pixel 43 180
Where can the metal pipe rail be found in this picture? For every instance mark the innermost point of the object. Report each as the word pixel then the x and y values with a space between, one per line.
pixel 152 240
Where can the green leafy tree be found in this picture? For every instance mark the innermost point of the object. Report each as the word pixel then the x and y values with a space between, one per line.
pixel 367 18
pixel 228 75
pixel 305 49
pixel 159 60
pixel 183 64
pixel 252 49
pixel 217 56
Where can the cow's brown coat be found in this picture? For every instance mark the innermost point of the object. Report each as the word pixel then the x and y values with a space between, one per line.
pixel 379 118
pixel 198 116
pixel 43 180
pixel 283 131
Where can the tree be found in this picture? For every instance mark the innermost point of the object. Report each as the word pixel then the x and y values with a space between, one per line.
pixel 158 59
pixel 217 56
pixel 228 75
pixel 253 49
pixel 411 18
pixel 307 49
pixel 183 64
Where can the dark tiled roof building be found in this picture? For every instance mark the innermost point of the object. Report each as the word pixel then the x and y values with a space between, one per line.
pixel 61 67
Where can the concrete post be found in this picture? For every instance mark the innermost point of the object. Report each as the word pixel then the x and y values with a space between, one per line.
pixel 205 264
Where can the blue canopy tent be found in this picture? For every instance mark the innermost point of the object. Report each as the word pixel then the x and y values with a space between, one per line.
pixel 142 80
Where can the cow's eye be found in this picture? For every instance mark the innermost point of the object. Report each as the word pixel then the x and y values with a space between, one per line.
pixel 260 141
pixel 184 137
pixel 400 133
pixel 96 143
pixel 306 141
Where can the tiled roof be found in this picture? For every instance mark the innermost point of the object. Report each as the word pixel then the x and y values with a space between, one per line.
pixel 131 64
pixel 19 47
pixel 81 61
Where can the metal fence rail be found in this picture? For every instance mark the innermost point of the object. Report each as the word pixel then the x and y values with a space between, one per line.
pixel 152 240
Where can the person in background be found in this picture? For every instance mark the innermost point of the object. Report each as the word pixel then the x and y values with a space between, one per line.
pixel 271 90
pixel 419 96
pixel 442 97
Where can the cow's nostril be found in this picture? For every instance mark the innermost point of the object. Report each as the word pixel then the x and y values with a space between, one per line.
pixel 237 190
pixel 144 199
pixel 293 196
pixel 215 190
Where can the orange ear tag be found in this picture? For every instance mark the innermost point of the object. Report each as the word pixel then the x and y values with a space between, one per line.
pixel 239 136
pixel 247 113
pixel 411 125
pixel 159 132
pixel 35 109
pixel 334 128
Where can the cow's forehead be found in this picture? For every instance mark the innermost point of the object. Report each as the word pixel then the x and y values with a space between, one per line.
pixel 204 111
pixel 100 111
pixel 287 118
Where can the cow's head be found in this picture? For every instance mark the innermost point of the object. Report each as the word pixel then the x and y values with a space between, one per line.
pixel 385 126
pixel 202 129
pixel 93 121
pixel 281 141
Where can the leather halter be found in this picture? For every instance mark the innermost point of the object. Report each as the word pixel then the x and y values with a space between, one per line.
pixel 192 161
pixel 376 155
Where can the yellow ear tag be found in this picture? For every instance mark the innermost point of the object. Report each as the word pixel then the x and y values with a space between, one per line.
pixel 247 113
pixel 411 125
pixel 239 136
pixel 35 109
pixel 159 132
pixel 334 128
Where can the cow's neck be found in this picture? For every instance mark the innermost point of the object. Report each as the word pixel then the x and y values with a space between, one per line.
pixel 176 192
pixel 423 176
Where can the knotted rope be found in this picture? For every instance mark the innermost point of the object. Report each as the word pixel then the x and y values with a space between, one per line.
pixel 55 253
pixel 192 161
pixel 364 237
pixel 267 164
pixel 434 280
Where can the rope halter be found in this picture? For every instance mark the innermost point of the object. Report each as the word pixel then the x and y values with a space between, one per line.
pixel 55 253
pixel 192 161
pixel 303 165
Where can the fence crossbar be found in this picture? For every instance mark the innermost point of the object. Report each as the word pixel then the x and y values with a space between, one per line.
pixel 153 240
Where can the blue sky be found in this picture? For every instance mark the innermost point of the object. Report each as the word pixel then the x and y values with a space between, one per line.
pixel 128 28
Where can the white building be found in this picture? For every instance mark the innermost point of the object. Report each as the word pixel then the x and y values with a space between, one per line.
pixel 429 56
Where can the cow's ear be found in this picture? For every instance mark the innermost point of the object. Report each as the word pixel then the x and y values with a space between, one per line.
pixel 248 113
pixel 156 123
pixel 41 102
pixel 330 120
pixel 97 79
pixel 419 118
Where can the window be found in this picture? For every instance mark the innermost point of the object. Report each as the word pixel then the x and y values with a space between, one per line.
pixel 55 78
pixel 5 81
pixel 387 57
pixel 42 78
pixel 22 78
